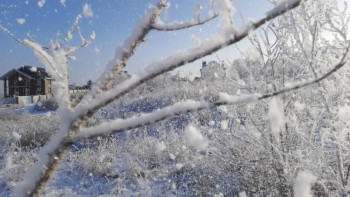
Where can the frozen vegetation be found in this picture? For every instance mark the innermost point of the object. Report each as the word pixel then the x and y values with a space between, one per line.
pixel 273 123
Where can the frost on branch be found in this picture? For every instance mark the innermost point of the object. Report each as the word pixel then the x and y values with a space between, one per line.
pixel 179 25
pixel 119 125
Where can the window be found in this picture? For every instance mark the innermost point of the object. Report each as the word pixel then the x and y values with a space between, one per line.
pixel 38 82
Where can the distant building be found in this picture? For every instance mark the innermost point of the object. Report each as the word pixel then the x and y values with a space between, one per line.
pixel 73 86
pixel 27 81
pixel 88 85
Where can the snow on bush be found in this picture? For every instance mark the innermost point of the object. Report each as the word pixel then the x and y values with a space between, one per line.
pixel 101 159
pixel 28 130
pixel 17 164
pixel 21 21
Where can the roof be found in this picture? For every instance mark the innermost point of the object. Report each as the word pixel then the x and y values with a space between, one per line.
pixel 30 72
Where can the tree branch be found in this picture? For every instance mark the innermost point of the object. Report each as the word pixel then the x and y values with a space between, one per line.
pixel 70 33
pixel 123 53
pixel 5 30
pixel 182 25
pixel 174 61
pixel 120 125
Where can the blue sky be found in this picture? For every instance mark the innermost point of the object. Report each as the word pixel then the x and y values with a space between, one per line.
pixel 112 20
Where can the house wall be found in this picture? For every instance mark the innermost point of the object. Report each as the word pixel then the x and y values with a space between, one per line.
pixel 32 87
pixel 18 85
pixel 48 86
pixel 27 87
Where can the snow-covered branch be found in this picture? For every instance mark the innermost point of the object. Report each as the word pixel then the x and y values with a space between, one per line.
pixel 70 33
pixel 84 43
pixel 44 57
pixel 182 25
pixel 224 38
pixel 120 125
pixel 5 30
pixel 195 21
pixel 123 53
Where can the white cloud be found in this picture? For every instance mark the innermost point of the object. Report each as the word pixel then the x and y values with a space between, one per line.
pixel 63 2
pixel 87 11
pixel 21 20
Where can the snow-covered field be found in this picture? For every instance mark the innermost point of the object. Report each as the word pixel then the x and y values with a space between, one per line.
pixel 222 151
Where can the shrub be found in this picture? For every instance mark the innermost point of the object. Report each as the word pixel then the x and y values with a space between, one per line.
pixel 31 131
pixel 17 163
pixel 100 159
pixel 49 104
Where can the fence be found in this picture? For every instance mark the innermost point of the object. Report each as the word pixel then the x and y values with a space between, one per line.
pixel 78 90
pixel 24 100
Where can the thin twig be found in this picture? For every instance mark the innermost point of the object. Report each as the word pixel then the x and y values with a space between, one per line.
pixel 173 27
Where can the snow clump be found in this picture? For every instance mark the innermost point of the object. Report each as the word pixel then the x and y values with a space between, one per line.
pixel 303 182
pixel 21 21
pixel 63 3
pixel 344 114
pixel 276 115
pixel 87 11
pixel 41 3
pixel 195 138
pixel 33 69
pixel 224 124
